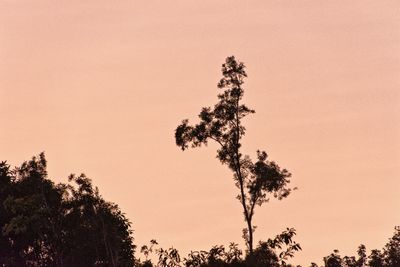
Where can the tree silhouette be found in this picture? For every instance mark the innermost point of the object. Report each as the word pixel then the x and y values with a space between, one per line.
pixel 391 251
pixel 257 180
pixel 388 257
pixel 63 225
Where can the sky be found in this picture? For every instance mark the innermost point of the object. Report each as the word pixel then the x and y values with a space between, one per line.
pixel 100 87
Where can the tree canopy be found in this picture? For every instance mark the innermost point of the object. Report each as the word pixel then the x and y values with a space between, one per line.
pixel 67 225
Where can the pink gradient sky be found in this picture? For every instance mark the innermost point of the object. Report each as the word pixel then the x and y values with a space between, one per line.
pixel 101 85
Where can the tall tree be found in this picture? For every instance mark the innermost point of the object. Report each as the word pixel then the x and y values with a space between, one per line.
pixel 257 180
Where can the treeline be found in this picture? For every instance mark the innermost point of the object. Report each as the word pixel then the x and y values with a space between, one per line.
pixel 272 253
pixel 389 256
pixel 68 225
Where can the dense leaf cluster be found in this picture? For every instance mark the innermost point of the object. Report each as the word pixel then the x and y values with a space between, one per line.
pixel 66 225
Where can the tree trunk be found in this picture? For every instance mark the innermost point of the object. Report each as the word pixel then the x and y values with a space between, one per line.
pixel 250 241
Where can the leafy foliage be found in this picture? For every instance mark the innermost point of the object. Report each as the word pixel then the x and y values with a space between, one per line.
pixel 44 224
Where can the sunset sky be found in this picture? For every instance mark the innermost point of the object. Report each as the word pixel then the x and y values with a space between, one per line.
pixel 100 86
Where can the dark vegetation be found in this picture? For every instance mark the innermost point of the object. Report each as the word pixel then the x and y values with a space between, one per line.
pixel 272 253
pixel 66 225
pixel 71 225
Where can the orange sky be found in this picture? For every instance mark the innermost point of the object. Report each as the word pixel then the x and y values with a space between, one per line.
pixel 101 85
